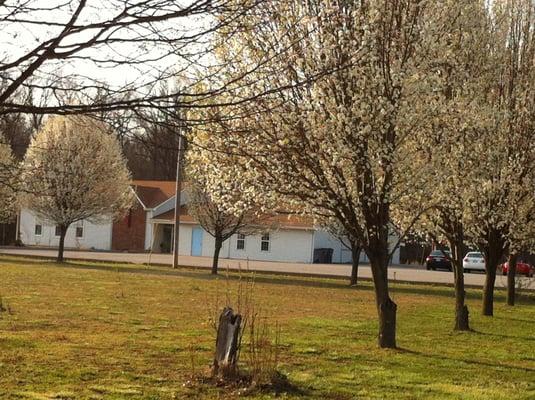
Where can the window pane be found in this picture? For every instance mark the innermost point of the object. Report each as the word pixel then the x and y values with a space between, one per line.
pixel 240 242
pixel 265 236
pixel 79 231
pixel 38 229
pixel 264 246
pixel 58 230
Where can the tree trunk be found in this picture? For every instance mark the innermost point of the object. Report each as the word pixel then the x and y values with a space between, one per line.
pixel 355 257
pixel 217 250
pixel 386 308
pixel 511 273
pixel 461 309
pixel 227 344
pixel 63 232
pixel 496 246
pixel 387 324
pixel 490 280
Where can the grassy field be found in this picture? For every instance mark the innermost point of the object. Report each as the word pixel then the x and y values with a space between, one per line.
pixel 100 331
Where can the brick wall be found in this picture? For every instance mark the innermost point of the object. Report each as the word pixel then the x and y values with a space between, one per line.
pixel 128 233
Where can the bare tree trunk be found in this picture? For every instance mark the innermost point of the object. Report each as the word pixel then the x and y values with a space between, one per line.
pixel 511 273
pixel 63 232
pixel 355 257
pixel 493 254
pixel 217 249
pixel 490 280
pixel 386 308
pixel 488 293
pixel 461 309
pixel 387 321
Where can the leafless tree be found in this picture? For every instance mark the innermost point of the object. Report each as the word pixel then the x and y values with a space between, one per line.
pixel 70 48
pixel 16 131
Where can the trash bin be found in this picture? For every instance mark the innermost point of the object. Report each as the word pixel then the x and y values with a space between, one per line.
pixel 323 256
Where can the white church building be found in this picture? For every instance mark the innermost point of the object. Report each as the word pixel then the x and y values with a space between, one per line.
pixel 148 227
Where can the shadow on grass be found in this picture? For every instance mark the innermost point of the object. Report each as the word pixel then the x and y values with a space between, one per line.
pixel 278 384
pixel 466 361
pixel 281 385
pixel 506 318
pixel 265 277
pixel 499 335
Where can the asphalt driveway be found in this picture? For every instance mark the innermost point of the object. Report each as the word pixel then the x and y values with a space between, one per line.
pixel 397 273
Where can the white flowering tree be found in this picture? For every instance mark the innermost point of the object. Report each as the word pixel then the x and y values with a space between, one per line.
pixel 453 83
pixel 214 215
pixel 517 42
pixel 499 198
pixel 74 171
pixel 335 147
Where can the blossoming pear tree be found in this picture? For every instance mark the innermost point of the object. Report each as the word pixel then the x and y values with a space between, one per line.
pixel 500 197
pixel 335 147
pixel 209 192
pixel 74 171
pixel 452 90
pixel 517 42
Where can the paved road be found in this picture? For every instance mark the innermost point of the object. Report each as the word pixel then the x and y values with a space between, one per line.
pixel 399 273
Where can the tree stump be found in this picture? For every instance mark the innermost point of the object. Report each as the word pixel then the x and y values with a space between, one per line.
pixel 227 344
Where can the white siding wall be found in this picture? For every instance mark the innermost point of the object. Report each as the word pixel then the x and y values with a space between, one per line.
pixel 208 245
pixel 148 231
pixel 184 239
pixel 96 236
pixel 343 255
pixel 285 245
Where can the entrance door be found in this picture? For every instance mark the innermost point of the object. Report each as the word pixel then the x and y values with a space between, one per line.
pixel 167 239
pixel 196 242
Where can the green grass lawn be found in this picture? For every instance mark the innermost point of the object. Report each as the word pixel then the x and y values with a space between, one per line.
pixel 100 331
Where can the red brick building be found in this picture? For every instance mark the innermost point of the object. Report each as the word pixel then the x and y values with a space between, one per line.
pixel 130 233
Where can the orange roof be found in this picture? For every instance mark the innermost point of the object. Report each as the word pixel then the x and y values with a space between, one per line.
pixel 281 220
pixel 289 220
pixel 153 193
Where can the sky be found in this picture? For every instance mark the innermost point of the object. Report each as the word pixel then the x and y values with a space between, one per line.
pixel 22 31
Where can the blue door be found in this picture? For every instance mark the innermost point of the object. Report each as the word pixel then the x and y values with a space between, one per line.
pixel 196 242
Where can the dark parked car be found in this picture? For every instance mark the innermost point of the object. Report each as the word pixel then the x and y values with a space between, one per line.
pixel 438 260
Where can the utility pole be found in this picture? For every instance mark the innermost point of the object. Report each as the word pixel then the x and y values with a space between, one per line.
pixel 177 198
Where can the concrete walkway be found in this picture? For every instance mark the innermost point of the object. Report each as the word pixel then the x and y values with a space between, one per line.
pixel 398 273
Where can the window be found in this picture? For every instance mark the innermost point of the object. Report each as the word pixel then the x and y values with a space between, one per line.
pixel 475 255
pixel 240 242
pixel 38 229
pixel 58 230
pixel 264 242
pixel 80 229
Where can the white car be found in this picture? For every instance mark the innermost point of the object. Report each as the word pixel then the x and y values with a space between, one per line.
pixel 474 261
